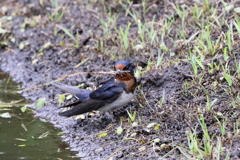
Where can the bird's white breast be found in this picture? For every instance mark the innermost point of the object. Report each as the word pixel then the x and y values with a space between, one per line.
pixel 123 99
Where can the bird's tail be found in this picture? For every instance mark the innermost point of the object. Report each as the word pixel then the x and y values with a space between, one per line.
pixel 70 112
pixel 70 89
pixel 84 107
pixel 81 94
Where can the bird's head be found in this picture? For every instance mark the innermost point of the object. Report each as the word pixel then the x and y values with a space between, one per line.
pixel 124 70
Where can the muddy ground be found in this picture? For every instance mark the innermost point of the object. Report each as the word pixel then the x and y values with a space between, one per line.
pixel 35 51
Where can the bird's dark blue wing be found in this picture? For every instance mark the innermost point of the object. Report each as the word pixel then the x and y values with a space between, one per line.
pixel 107 94
pixel 108 91
pixel 102 96
pixel 97 100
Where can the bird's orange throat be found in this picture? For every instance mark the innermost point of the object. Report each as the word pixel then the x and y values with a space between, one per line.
pixel 127 78
pixel 124 76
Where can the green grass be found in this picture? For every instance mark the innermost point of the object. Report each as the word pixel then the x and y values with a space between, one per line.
pixel 203 44
pixel 67 32
pixel 204 35
pixel 57 13
pixel 124 37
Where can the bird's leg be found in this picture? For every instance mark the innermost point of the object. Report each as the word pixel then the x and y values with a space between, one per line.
pixel 109 116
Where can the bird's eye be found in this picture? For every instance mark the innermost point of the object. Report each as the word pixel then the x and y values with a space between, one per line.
pixel 126 68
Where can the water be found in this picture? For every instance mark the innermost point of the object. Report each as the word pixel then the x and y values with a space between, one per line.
pixel 21 135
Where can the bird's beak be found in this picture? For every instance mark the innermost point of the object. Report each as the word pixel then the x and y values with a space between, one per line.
pixel 118 71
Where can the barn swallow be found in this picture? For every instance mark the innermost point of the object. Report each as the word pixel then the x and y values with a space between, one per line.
pixel 116 92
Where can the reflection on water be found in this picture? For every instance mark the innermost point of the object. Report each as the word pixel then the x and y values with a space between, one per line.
pixel 22 136
pixel 7 88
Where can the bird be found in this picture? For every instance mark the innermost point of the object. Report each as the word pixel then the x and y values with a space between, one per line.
pixel 116 92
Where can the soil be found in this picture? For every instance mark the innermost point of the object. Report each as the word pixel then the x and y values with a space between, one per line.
pixel 35 56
